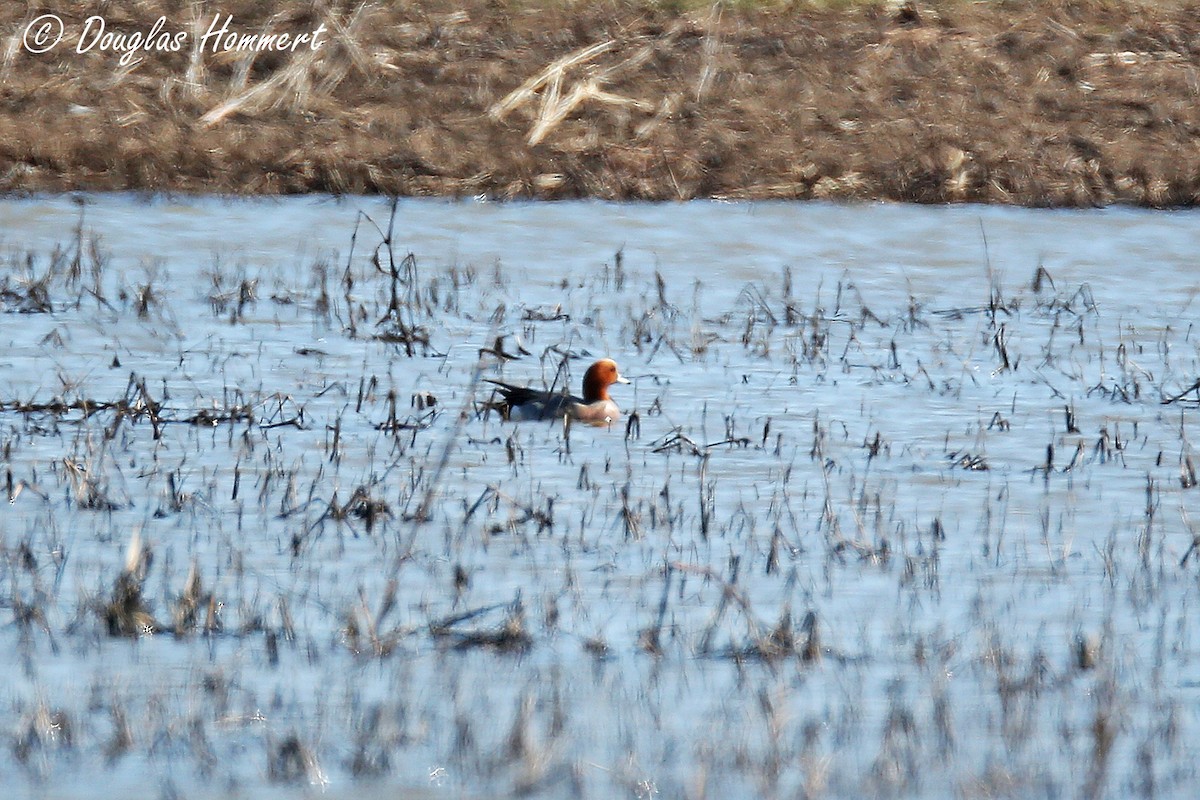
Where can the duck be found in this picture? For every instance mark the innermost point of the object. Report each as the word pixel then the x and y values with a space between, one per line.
pixel 522 403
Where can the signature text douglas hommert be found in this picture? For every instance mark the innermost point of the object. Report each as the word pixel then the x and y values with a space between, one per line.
pixel 220 37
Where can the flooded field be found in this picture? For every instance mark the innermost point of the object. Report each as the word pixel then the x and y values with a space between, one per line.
pixel 900 504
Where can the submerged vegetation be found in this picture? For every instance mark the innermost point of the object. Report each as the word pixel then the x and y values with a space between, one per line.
pixel 850 542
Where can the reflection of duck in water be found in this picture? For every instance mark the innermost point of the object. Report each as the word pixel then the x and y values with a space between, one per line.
pixel 521 403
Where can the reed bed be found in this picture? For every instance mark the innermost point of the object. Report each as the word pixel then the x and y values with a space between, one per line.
pixel 1050 103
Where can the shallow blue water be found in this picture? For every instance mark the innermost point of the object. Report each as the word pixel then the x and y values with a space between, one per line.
pixel 948 600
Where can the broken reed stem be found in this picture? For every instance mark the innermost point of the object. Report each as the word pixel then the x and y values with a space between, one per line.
pixel 549 75
pixel 550 82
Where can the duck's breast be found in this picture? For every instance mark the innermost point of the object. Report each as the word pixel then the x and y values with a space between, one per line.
pixel 601 412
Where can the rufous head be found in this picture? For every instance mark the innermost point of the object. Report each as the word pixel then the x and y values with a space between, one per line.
pixel 598 378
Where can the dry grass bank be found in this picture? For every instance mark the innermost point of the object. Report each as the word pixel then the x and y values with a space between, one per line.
pixel 1059 103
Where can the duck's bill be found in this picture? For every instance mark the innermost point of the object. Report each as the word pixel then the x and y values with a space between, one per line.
pixel 622 379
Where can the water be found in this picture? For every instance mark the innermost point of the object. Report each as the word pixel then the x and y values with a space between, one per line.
pixel 876 441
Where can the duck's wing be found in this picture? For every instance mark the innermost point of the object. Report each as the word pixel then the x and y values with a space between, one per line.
pixel 535 401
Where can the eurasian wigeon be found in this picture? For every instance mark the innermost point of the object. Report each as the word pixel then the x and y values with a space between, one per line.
pixel 521 403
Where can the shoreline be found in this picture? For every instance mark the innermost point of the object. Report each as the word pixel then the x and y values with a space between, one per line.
pixel 1068 103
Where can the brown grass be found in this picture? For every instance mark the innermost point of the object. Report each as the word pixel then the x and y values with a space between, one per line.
pixel 1064 102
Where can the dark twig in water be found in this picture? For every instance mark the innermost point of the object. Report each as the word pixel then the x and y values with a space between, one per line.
pixel 1195 387
pixel 509 636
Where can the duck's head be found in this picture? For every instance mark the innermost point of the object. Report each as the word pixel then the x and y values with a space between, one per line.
pixel 598 378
